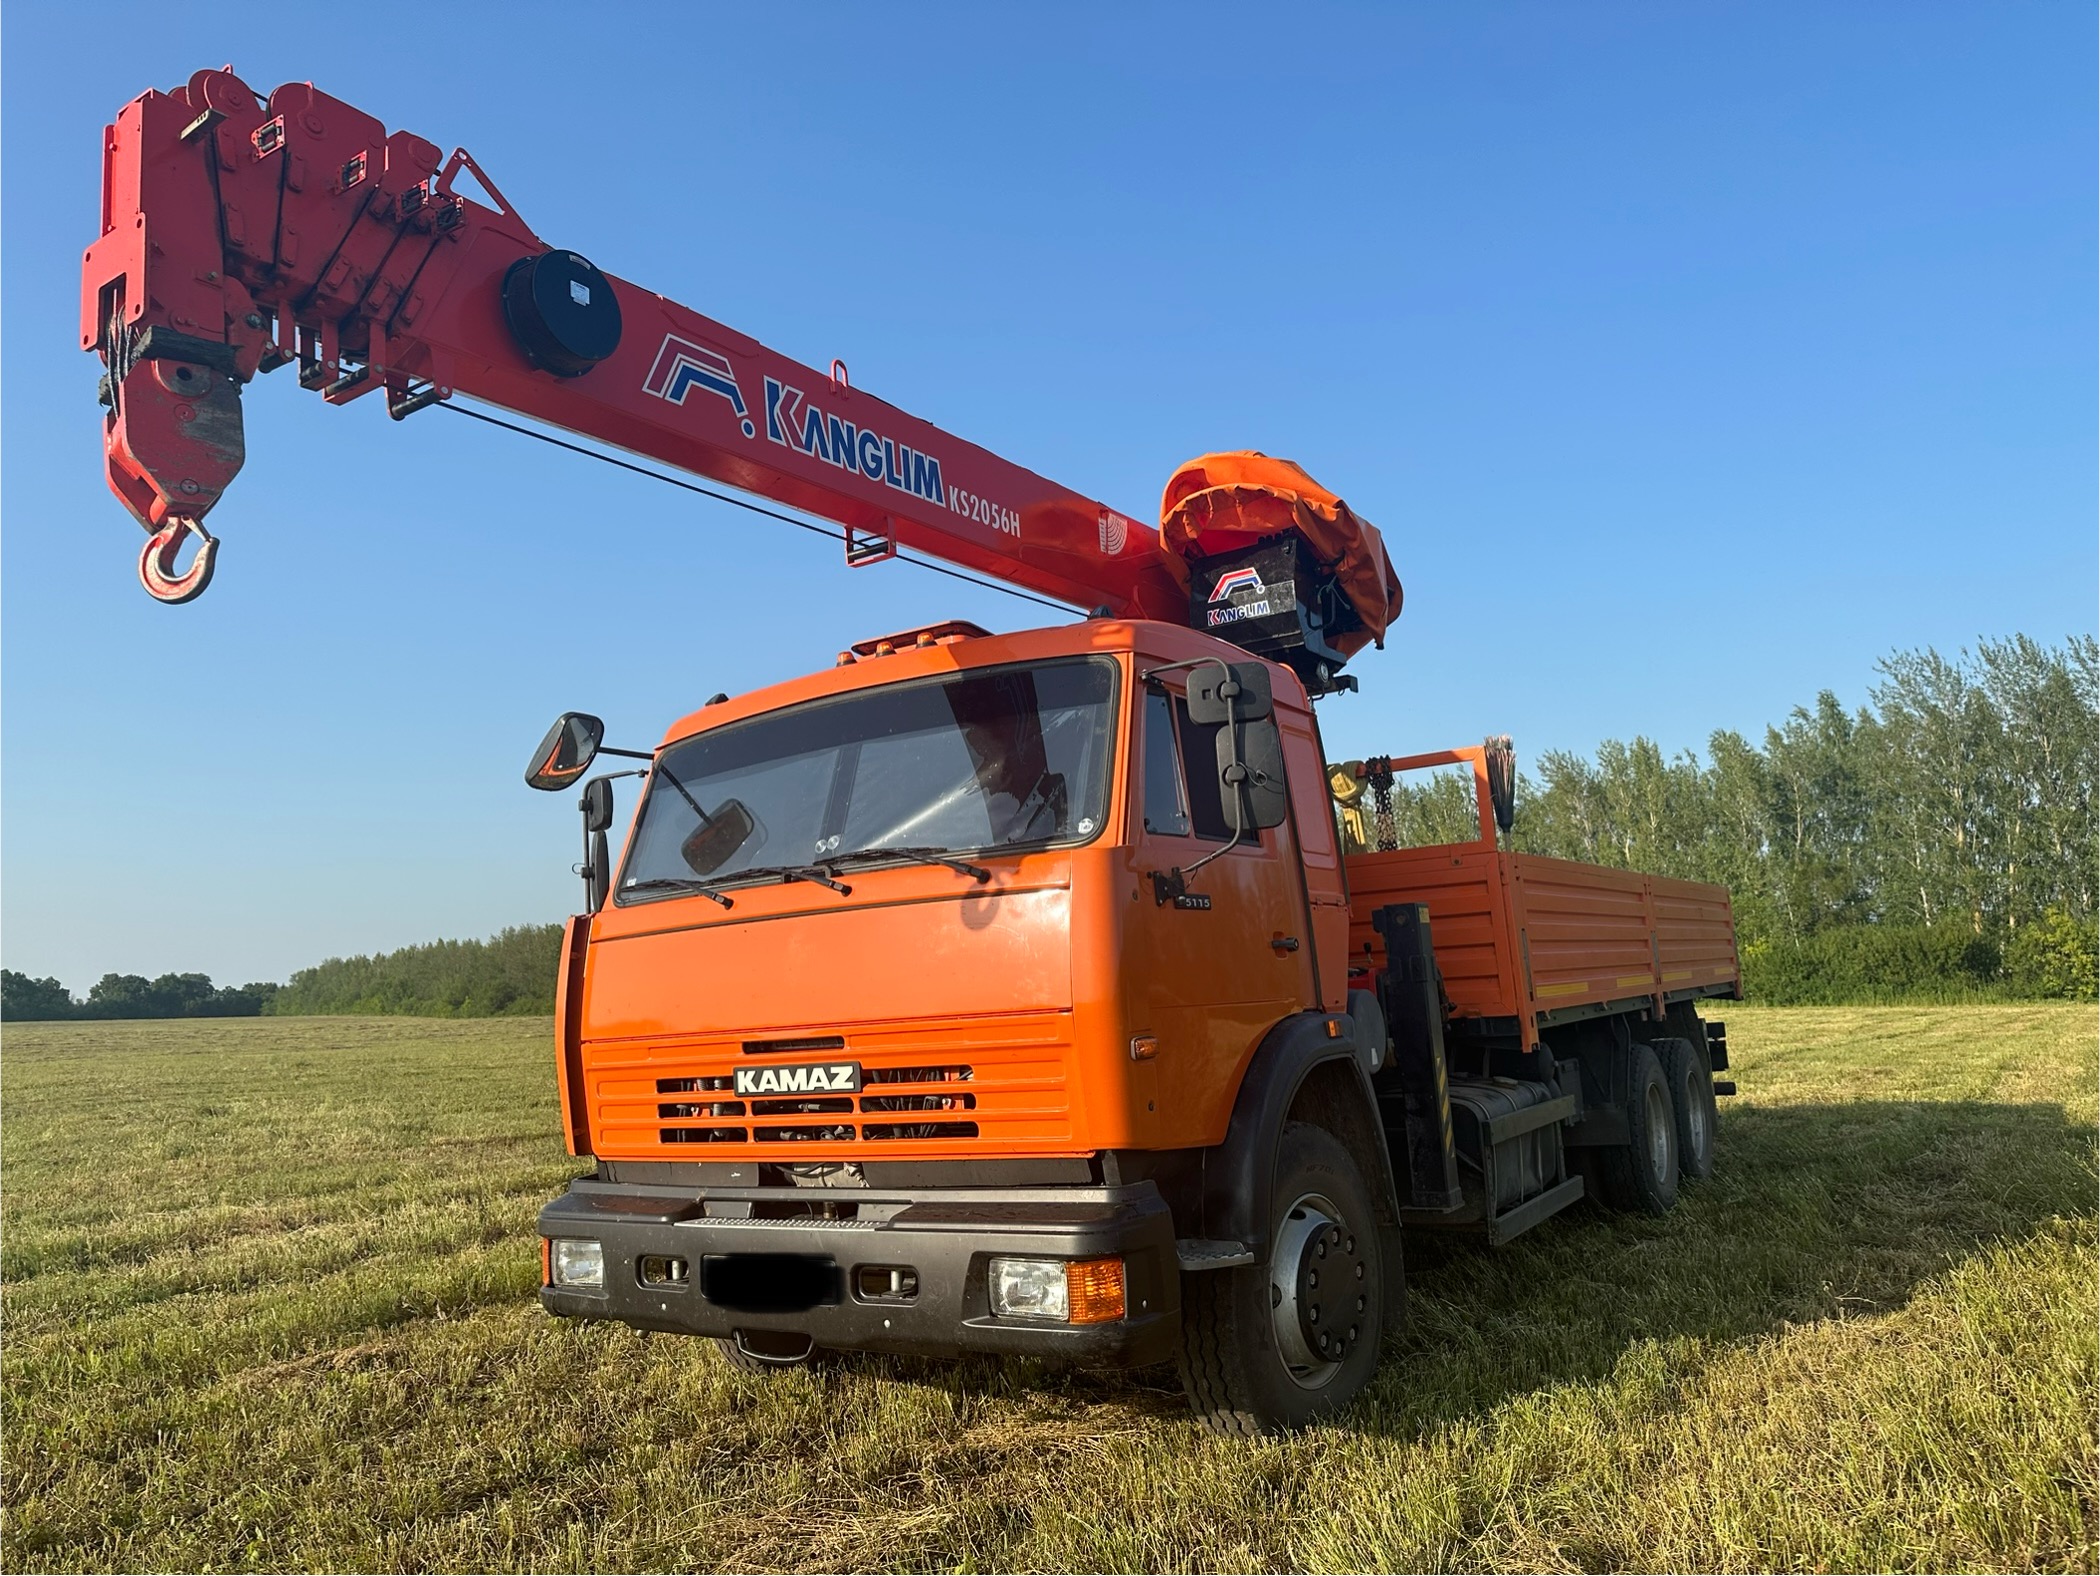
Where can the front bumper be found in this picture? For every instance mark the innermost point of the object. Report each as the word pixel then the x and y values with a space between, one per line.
pixel 946 1237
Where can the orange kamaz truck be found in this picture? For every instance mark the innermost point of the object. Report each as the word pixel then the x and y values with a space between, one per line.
pixel 1044 992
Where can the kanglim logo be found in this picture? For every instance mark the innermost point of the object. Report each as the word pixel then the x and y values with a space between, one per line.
pixel 682 366
pixel 797 424
pixel 1248 579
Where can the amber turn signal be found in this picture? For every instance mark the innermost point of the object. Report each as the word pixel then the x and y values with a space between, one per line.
pixel 1094 1291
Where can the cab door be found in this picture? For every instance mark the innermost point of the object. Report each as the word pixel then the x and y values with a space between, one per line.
pixel 1326 878
pixel 1207 974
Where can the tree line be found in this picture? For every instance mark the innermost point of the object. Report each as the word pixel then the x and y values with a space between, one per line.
pixel 1941 839
pixel 510 974
pixel 133 996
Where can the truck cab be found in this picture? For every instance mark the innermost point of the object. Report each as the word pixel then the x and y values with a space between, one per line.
pixel 944 965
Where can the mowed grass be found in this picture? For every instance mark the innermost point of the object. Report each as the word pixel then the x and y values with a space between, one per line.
pixel 268 1294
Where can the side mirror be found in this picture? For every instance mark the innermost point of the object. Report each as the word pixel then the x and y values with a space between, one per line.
pixel 597 804
pixel 1230 691
pixel 566 753
pixel 1251 771
pixel 716 839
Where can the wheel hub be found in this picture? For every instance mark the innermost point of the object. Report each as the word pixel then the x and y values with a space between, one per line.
pixel 1658 1104
pixel 1319 1290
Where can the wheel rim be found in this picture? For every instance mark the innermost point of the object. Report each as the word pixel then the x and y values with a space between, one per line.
pixel 1319 1290
pixel 1658 1131
pixel 1695 1119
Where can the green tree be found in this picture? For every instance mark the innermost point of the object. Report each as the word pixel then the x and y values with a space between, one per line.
pixel 23 999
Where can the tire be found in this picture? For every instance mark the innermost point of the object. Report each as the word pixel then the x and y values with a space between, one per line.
pixel 1250 1358
pixel 749 1363
pixel 1690 1075
pixel 1640 1176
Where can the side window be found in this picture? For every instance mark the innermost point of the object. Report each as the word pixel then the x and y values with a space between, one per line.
pixel 1166 807
pixel 1199 747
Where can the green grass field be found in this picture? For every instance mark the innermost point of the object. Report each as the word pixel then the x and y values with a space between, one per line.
pixel 268 1294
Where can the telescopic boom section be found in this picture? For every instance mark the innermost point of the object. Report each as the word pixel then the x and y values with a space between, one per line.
pixel 240 235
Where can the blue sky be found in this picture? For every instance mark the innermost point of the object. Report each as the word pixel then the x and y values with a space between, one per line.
pixel 1691 357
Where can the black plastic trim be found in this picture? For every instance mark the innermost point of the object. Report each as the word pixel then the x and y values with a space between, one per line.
pixel 947 1239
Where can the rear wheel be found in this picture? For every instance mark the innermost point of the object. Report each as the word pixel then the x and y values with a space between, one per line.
pixel 1689 1072
pixel 1641 1176
pixel 1275 1346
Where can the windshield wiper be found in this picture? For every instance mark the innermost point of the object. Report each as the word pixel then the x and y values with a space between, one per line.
pixel 816 875
pixel 673 884
pixel 923 856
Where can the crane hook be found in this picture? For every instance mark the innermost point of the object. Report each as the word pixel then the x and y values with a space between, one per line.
pixel 157 563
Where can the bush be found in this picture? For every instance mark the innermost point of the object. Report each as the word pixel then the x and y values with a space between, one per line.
pixel 510 974
pixel 2056 956
pixel 1866 963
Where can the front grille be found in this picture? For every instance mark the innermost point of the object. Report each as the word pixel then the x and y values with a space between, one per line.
pixel 809 1044
pixel 919 1102
pixel 1006 1087
pixel 944 1097
pixel 873 1131
pixel 841 1134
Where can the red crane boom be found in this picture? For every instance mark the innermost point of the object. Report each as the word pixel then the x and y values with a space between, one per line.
pixel 241 234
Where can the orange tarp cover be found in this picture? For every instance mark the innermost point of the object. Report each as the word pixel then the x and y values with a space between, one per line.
pixel 1223 502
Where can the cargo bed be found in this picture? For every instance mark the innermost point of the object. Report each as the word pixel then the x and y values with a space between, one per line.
pixel 1524 942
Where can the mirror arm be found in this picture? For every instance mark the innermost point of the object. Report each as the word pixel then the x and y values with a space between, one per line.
pixel 1150 674
pixel 632 755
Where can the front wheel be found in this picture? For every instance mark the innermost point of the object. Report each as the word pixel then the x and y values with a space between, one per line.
pixel 1275 1346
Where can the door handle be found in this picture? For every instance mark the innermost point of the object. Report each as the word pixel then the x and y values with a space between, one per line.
pixel 1284 943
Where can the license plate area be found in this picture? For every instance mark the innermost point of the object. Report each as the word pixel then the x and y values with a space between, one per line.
pixel 771 1282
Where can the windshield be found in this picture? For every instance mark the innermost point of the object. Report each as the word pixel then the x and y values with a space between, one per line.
pixel 1002 758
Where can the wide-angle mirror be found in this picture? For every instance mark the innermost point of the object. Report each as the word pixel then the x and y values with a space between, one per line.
pixel 566 753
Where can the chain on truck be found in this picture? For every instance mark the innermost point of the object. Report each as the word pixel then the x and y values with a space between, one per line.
pixel 1043 992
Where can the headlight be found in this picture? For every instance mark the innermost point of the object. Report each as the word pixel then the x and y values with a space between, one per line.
pixel 578 1262
pixel 1030 1288
pixel 1088 1291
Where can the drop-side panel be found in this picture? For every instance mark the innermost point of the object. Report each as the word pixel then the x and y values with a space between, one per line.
pixel 1463 888
pixel 1695 933
pixel 1586 929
